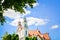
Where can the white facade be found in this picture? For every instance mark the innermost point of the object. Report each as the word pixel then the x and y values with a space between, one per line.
pixel 21 34
pixel 21 31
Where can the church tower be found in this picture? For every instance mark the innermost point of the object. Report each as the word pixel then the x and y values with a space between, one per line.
pixel 19 26
pixel 21 31
pixel 26 27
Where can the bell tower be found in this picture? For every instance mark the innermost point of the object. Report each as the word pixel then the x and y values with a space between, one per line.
pixel 19 26
pixel 25 27
pixel 20 31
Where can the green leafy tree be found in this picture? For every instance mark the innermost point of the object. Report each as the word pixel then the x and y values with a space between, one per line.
pixel 10 37
pixel 34 38
pixel 16 5
pixel 26 38
pixel 15 37
pixel 31 38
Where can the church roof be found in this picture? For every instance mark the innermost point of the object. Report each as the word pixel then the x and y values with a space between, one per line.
pixel 46 36
pixel 38 33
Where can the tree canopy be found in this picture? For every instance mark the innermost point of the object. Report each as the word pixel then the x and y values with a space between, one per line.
pixel 16 37
pixel 31 38
pixel 16 5
pixel 10 37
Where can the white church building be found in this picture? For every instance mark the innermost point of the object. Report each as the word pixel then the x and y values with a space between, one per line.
pixel 23 32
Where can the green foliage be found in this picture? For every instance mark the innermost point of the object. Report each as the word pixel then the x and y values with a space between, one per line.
pixel 16 5
pixel 16 37
pixel 34 38
pixel 26 38
pixel 10 37
pixel 31 38
pixel 2 19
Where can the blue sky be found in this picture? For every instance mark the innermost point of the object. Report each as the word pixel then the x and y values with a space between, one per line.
pixel 47 12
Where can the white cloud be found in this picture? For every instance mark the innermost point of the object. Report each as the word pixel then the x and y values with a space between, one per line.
pixel 13 15
pixel 35 4
pixel 36 21
pixel 15 22
pixel 26 12
pixel 54 26
pixel 30 21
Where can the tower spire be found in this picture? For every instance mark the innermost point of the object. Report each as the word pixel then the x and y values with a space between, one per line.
pixel 25 22
pixel 26 27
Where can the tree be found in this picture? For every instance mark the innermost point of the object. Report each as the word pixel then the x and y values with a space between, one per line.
pixel 10 37
pixel 31 38
pixel 16 37
pixel 16 5
pixel 34 38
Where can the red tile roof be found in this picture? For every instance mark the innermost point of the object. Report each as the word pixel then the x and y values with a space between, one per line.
pixel 46 36
pixel 38 33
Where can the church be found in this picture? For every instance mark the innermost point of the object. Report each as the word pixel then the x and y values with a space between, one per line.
pixel 25 32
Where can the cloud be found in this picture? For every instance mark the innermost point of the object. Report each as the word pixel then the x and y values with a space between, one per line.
pixel 15 22
pixel 13 15
pixel 30 21
pixel 36 21
pixel 34 5
pixel 54 26
pixel 26 12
